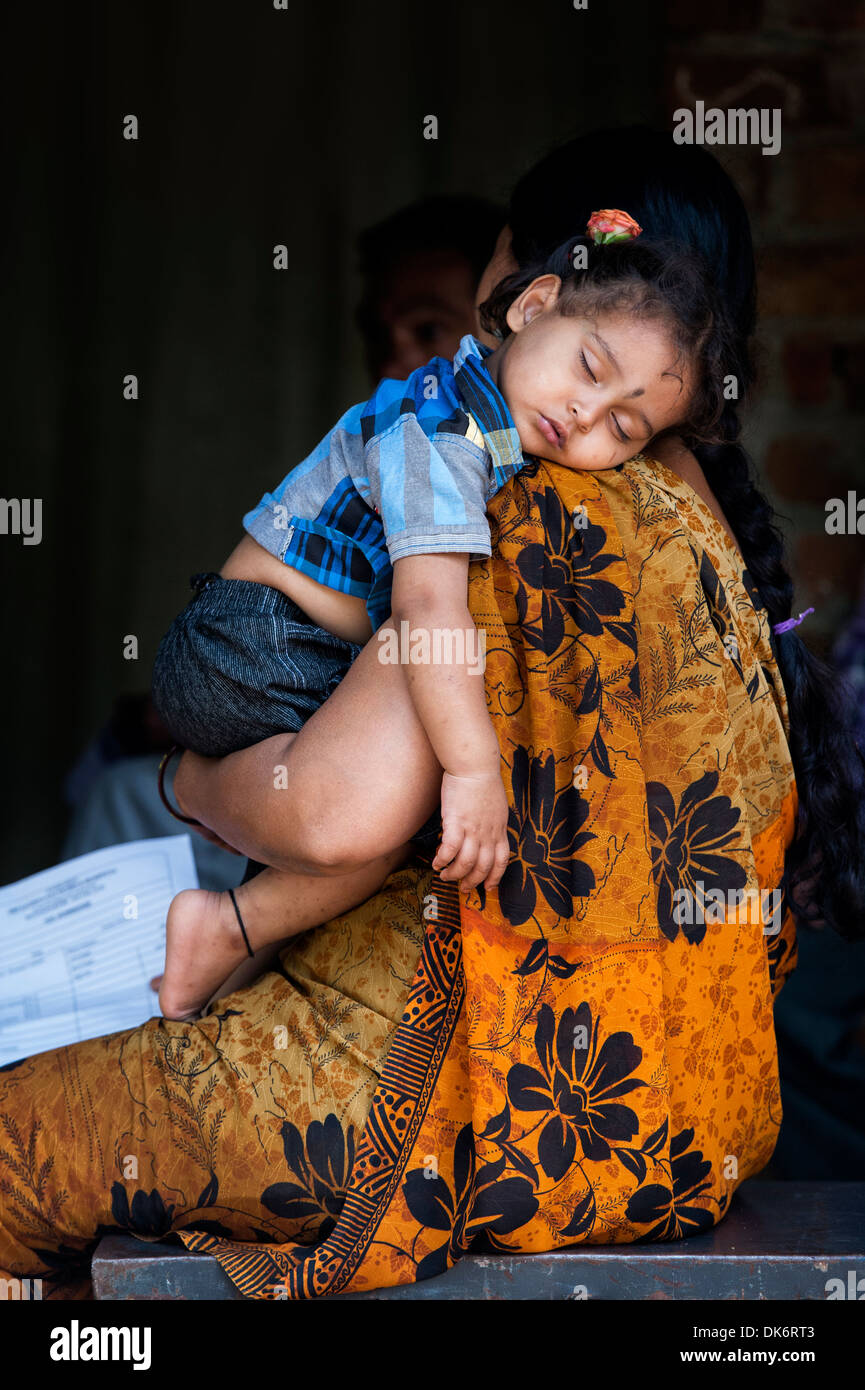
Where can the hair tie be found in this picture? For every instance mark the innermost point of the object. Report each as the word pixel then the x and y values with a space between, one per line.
pixel 611 224
pixel 791 622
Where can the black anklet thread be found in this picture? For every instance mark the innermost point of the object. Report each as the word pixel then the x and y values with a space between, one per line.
pixel 240 921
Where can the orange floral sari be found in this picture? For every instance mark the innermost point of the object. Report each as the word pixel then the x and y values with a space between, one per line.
pixel 585 1054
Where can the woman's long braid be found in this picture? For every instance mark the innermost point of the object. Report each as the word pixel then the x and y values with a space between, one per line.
pixel 823 869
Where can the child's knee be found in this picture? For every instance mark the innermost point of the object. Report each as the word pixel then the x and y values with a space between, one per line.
pixel 326 847
pixel 324 851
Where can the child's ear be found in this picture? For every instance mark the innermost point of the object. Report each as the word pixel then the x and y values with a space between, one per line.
pixel 537 298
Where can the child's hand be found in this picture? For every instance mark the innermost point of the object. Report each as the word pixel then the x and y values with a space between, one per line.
pixel 474 843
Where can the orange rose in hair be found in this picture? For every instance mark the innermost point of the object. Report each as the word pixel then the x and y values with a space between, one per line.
pixel 611 224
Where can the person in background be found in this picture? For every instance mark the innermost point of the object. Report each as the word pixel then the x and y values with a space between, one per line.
pixel 420 269
pixel 113 795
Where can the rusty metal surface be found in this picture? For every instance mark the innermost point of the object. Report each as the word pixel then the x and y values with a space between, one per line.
pixel 780 1240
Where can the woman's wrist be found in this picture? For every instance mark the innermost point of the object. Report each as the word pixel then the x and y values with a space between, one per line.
pixel 182 787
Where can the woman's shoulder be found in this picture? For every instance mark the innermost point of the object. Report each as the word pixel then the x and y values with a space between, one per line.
pixel 673 456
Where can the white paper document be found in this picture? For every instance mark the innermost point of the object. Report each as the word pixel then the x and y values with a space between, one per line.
pixel 79 944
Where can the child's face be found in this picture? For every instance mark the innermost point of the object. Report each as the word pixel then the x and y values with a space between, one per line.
pixel 588 393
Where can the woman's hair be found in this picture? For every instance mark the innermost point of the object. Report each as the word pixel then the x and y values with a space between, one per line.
pixel 648 279
pixel 681 192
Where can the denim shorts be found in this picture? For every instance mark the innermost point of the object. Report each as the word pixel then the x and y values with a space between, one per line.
pixel 242 662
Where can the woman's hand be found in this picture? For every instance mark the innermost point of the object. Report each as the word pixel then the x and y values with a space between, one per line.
pixel 207 834
pixel 184 782
pixel 474 843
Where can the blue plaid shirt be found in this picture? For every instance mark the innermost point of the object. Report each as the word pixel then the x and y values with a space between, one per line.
pixel 408 472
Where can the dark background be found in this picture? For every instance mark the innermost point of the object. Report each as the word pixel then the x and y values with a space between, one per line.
pixel 259 127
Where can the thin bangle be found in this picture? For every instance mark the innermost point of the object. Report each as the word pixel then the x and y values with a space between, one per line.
pixel 188 820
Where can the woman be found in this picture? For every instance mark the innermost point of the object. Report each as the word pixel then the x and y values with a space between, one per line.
pixel 597 1064
pixel 683 191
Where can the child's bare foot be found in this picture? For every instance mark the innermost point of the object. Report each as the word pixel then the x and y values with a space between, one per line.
pixel 203 946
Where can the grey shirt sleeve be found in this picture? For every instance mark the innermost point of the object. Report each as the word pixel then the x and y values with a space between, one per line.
pixel 431 492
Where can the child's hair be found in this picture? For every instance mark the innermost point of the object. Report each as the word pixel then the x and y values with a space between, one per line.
pixel 646 279
pixel 682 191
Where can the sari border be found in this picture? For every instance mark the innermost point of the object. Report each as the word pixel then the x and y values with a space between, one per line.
pixel 329 1267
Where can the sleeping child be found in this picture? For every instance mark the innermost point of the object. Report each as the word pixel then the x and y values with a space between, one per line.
pixel 614 341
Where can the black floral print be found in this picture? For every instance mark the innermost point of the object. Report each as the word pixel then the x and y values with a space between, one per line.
pixel 671 1208
pixel 564 573
pixel 485 1206
pixel 686 844
pixel 545 835
pixel 580 1087
pixel 321 1167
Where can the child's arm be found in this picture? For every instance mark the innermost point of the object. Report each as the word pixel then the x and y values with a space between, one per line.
pixel 443 665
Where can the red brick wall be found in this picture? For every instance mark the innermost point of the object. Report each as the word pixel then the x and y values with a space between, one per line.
pixel 807 203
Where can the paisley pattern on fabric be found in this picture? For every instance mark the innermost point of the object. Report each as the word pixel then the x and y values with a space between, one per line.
pixel 586 1054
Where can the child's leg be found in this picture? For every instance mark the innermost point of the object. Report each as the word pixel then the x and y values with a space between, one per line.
pixel 204 944
pixel 357 781
pixel 333 807
pixel 330 808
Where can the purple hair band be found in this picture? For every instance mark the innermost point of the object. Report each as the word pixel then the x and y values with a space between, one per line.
pixel 791 622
